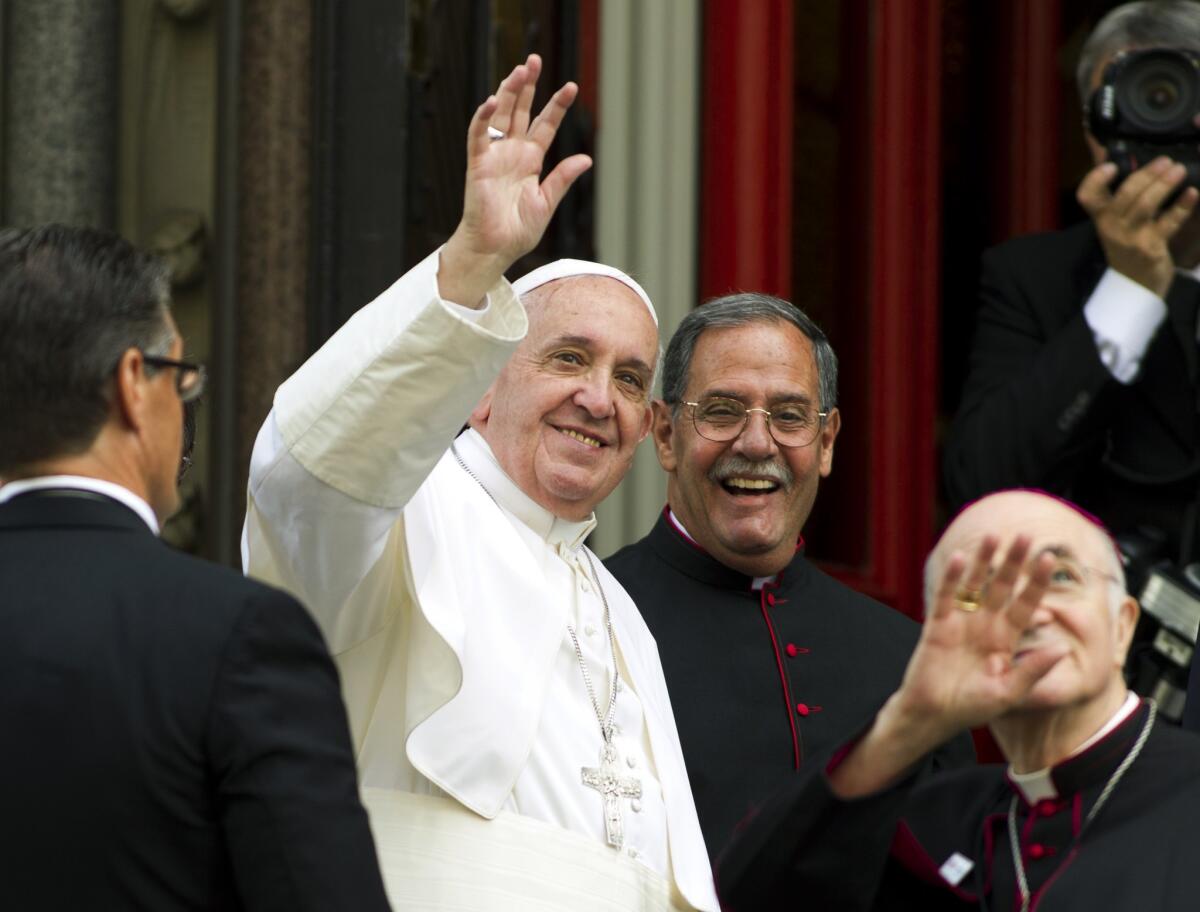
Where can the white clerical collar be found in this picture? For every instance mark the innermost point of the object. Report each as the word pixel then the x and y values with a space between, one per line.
pixel 1039 785
pixel 82 483
pixel 478 456
pixel 757 583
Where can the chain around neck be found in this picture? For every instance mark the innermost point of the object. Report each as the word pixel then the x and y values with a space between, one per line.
pixel 606 717
pixel 1106 792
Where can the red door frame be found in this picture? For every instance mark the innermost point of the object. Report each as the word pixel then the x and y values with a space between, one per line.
pixel 746 235
pixel 1031 109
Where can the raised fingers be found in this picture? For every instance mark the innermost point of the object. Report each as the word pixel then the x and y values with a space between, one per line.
pixel 477 131
pixel 1000 587
pixel 559 181
pixel 948 588
pixel 520 115
pixel 507 97
pixel 545 126
pixel 1030 596
pixel 980 570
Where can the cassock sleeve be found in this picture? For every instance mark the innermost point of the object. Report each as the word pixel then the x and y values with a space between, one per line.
pixel 808 848
pixel 279 751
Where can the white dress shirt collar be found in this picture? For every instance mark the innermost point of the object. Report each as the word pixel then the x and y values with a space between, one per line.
pixel 478 456
pixel 82 483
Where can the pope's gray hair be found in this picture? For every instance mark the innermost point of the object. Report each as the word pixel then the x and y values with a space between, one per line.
pixel 1145 24
pixel 740 310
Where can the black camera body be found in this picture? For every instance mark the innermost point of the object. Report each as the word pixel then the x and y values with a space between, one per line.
pixel 1146 106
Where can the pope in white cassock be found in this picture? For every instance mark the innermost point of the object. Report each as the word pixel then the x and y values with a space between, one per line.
pixel 515 741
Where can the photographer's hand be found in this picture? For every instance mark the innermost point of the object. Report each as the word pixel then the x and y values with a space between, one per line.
pixel 1133 231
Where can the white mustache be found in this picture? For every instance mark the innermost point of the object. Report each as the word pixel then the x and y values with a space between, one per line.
pixel 741 467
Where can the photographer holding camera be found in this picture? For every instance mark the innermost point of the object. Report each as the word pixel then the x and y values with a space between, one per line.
pixel 1084 373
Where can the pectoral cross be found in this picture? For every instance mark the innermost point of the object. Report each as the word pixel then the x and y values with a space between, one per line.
pixel 612 789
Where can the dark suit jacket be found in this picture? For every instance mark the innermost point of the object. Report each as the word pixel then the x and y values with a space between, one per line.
pixel 1040 409
pixel 174 736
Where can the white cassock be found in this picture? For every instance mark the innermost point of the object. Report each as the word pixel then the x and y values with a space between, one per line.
pixel 445 594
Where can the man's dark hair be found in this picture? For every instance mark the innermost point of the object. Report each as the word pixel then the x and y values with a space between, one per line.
pixel 1145 24
pixel 741 310
pixel 72 301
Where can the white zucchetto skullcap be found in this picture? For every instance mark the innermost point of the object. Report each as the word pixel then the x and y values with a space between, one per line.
pixel 566 269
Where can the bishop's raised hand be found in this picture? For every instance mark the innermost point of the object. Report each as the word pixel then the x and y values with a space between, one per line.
pixel 507 205
pixel 966 669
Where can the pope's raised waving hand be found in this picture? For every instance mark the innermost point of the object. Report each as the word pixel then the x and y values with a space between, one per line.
pixel 506 202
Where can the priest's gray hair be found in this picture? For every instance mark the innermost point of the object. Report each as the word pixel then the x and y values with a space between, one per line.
pixel 743 309
pixel 1145 24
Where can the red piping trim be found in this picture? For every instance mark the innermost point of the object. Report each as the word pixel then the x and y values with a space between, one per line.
pixel 1038 894
pixel 674 523
pixel 909 852
pixel 787 693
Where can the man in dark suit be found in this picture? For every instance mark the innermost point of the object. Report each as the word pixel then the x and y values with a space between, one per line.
pixel 174 733
pixel 1083 373
pixel 770 661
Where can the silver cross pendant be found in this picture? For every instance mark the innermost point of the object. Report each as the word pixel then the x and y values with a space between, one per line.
pixel 612 789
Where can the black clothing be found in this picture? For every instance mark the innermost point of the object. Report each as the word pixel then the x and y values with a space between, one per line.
pixel 1040 409
pixel 174 733
pixel 760 681
pixel 884 851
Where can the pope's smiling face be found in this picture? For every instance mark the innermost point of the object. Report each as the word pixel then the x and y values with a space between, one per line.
pixel 569 409
pixel 745 500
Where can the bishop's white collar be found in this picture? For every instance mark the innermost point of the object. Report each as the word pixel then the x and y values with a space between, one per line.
pixel 473 450
pixel 82 483
pixel 1039 785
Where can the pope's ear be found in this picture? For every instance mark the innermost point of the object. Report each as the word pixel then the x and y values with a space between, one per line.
pixel 483 410
pixel 664 435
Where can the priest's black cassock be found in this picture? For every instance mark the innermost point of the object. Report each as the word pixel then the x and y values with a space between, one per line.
pixel 761 680
pixel 887 851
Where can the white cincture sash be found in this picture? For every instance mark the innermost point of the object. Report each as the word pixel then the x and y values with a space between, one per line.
pixel 437 855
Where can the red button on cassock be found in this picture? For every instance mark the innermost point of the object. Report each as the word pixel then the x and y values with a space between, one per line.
pixel 1037 850
pixel 792 650
pixel 770 598
pixel 802 708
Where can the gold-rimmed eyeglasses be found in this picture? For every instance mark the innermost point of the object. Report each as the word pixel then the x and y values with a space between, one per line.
pixel 792 424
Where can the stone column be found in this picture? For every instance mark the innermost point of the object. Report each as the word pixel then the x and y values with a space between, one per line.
pixel 274 179
pixel 647 159
pixel 60 111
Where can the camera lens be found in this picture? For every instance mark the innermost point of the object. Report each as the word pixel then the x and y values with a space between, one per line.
pixel 1158 94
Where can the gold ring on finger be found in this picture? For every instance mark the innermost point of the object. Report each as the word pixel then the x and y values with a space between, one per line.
pixel 968 600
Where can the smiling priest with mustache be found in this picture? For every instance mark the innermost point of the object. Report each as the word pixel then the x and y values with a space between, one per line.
pixel 770 661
